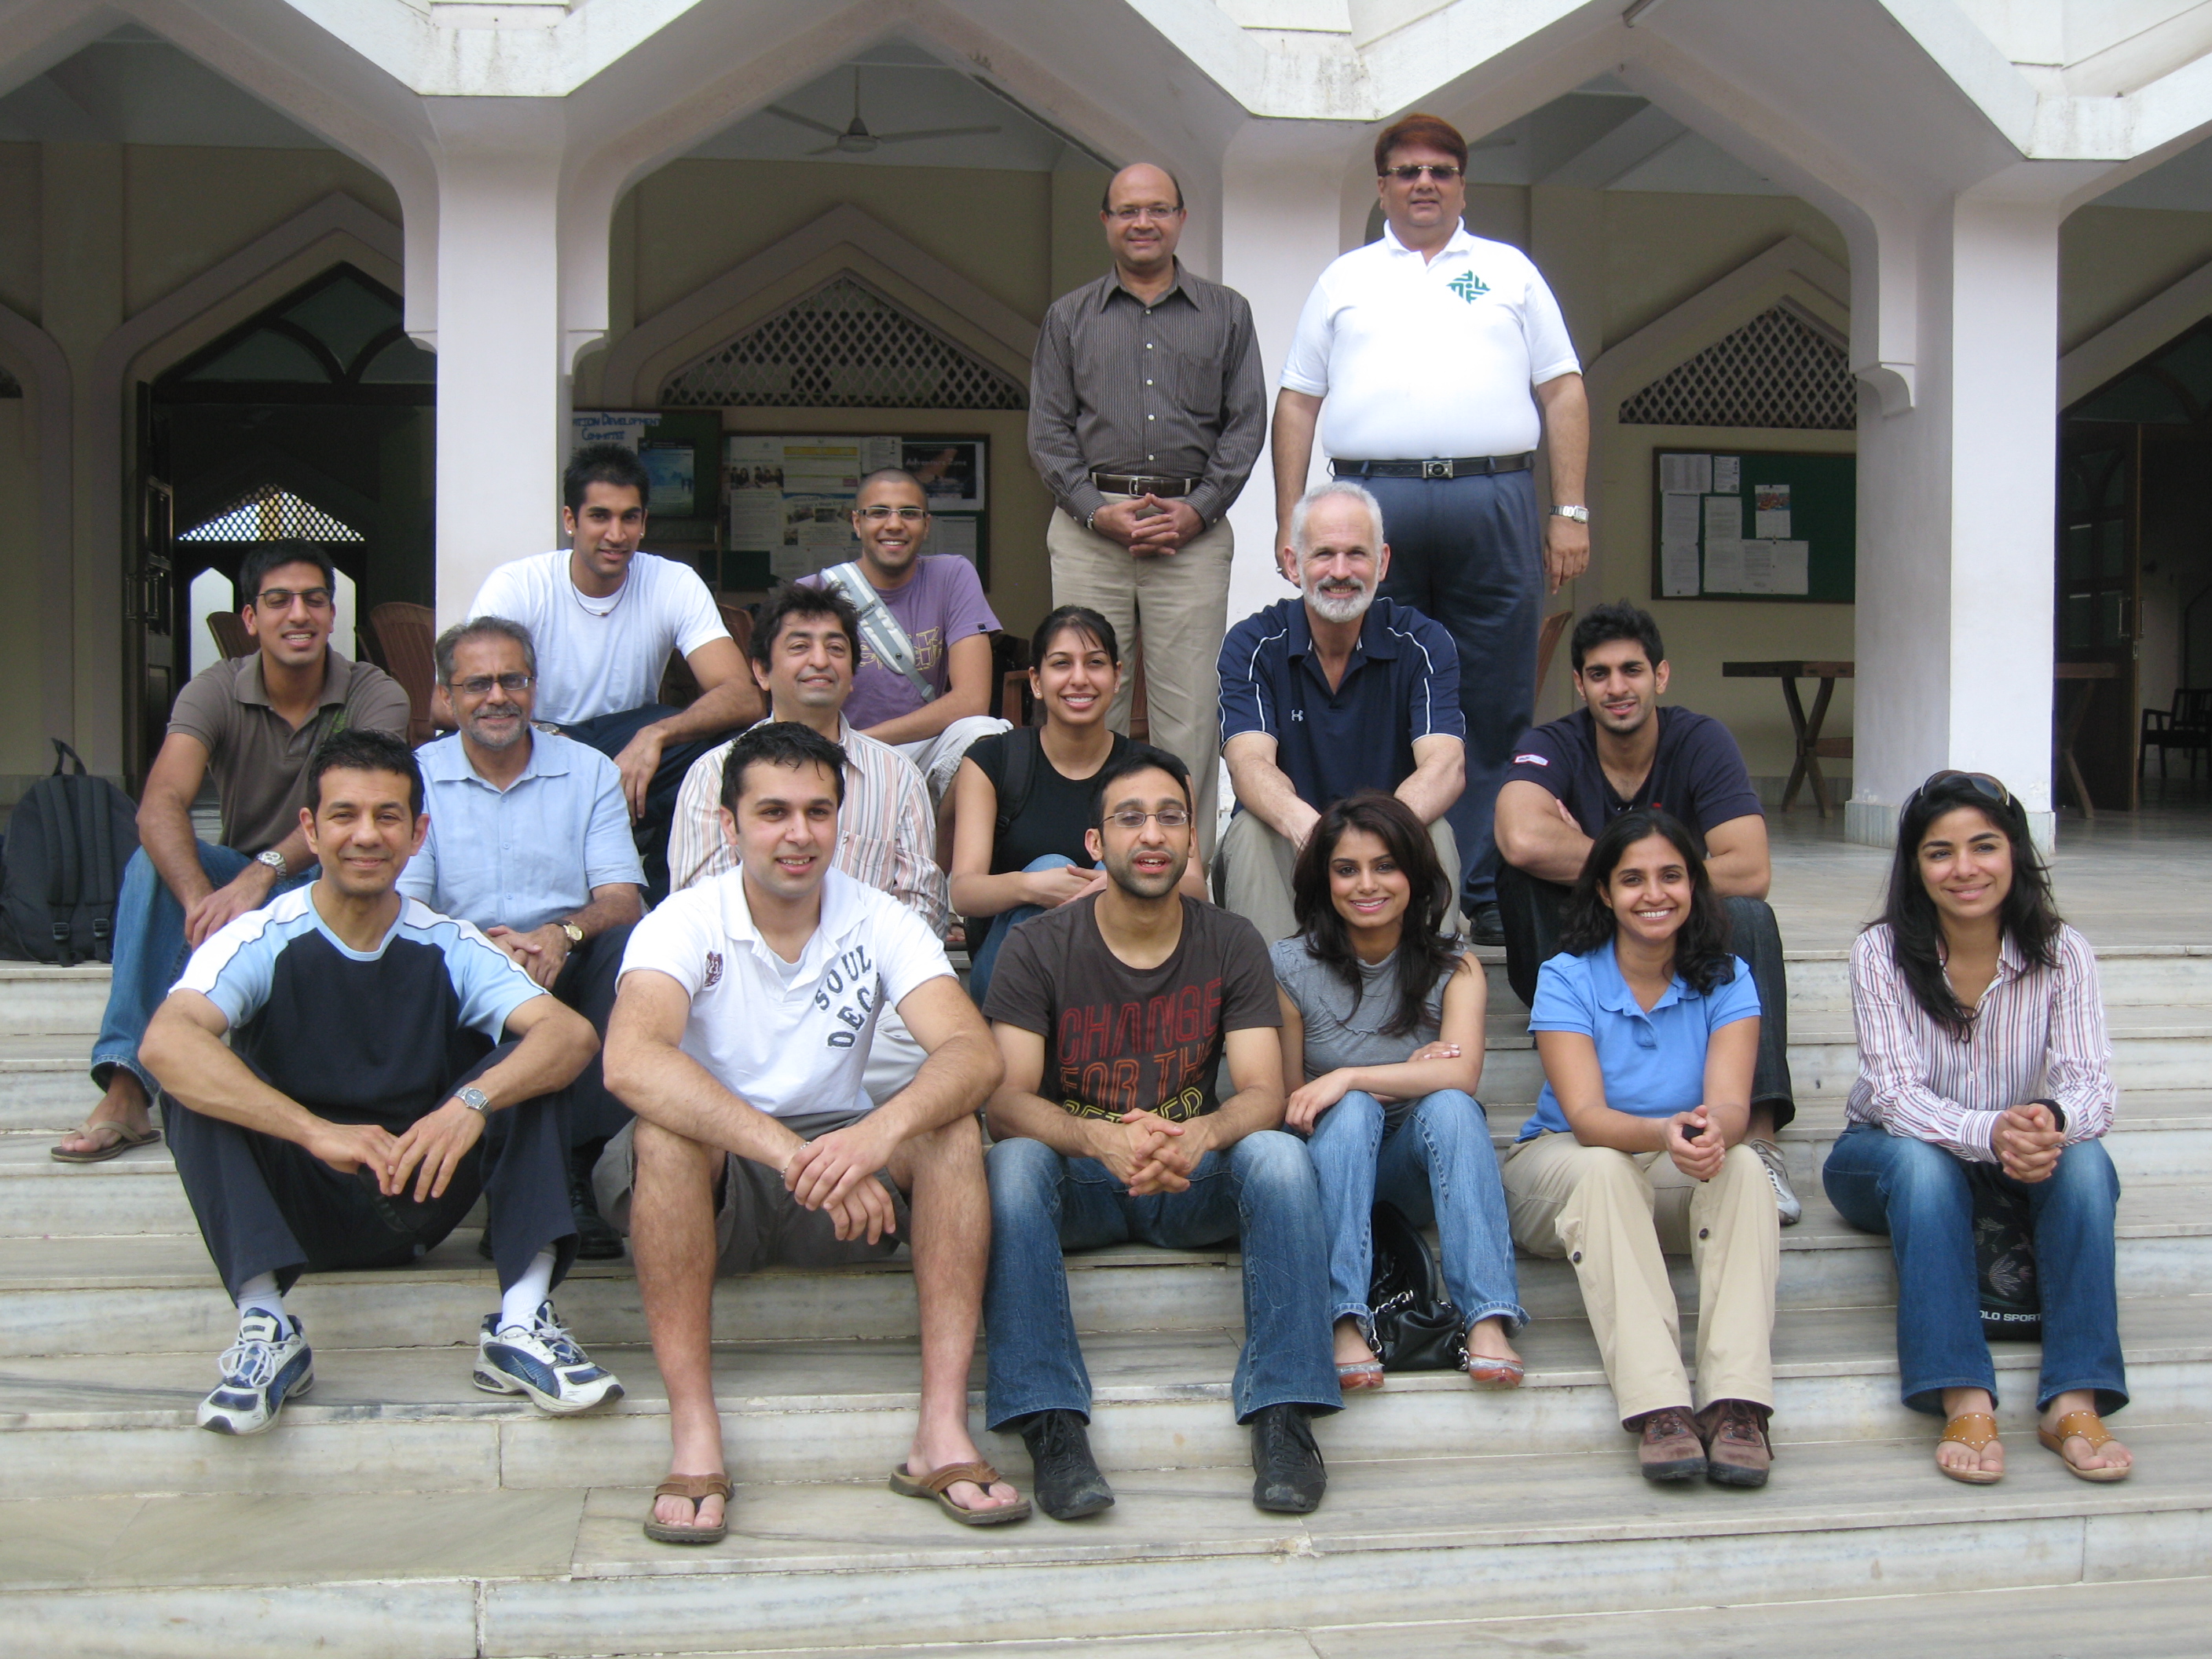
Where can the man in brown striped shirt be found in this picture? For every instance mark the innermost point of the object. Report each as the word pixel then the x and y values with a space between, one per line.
pixel 1147 410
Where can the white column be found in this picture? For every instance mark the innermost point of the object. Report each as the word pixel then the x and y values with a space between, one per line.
pixel 1282 220
pixel 1956 540
pixel 499 339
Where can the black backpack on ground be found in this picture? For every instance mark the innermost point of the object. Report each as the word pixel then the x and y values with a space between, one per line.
pixel 68 841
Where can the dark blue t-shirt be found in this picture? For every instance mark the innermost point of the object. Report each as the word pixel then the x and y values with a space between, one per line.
pixel 1401 684
pixel 1697 774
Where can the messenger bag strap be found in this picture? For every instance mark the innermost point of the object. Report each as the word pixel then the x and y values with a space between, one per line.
pixel 880 630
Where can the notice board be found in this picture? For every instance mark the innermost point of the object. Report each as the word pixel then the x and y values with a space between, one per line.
pixel 789 499
pixel 1771 526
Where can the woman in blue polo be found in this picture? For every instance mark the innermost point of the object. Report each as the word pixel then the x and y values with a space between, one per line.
pixel 1648 1029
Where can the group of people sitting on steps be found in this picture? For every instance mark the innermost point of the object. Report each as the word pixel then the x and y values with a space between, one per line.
pixel 409 979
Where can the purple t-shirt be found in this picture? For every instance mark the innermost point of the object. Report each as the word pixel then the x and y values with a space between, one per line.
pixel 942 603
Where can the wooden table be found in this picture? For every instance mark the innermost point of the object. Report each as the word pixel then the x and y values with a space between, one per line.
pixel 1811 747
pixel 2086 674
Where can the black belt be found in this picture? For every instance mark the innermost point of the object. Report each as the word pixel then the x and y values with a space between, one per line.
pixel 1464 466
pixel 1141 483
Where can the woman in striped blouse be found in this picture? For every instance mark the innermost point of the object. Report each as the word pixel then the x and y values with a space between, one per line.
pixel 1983 1067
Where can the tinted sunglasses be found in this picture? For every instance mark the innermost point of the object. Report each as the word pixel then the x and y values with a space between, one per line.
pixel 1980 782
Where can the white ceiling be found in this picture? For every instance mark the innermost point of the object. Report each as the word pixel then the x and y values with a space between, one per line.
pixel 134 88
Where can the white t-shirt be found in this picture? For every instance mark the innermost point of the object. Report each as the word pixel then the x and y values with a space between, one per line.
pixel 602 656
pixel 1419 360
pixel 794 1047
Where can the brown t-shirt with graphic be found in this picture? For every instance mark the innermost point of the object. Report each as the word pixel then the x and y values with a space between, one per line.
pixel 1119 1038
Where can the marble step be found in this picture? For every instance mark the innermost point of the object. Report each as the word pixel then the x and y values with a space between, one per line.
pixel 39 1000
pixel 408 1419
pixel 1557 1536
pixel 157 1293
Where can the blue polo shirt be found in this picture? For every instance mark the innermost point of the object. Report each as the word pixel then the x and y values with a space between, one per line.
pixel 1401 683
pixel 1654 1063
pixel 525 855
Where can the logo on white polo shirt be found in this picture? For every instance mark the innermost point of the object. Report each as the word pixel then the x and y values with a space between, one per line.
pixel 713 971
pixel 1468 286
pixel 847 992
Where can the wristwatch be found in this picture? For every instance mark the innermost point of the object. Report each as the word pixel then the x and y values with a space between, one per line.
pixel 1579 514
pixel 474 1098
pixel 576 934
pixel 275 860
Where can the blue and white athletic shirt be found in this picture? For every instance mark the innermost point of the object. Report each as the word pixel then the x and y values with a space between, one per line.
pixel 358 1036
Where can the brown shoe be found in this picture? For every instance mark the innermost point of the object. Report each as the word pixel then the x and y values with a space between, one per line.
pixel 1737 1450
pixel 1668 1448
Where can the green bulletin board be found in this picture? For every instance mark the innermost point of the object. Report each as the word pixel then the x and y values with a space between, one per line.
pixel 1770 525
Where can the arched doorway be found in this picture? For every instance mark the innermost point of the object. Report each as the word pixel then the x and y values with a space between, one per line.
pixel 315 417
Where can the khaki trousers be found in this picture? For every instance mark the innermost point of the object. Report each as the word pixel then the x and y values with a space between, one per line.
pixel 1178 604
pixel 1252 875
pixel 1612 1213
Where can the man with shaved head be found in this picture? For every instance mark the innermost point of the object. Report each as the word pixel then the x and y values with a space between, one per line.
pixel 1147 410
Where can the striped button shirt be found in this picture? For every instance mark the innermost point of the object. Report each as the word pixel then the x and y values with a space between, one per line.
pixel 886 833
pixel 2038 1034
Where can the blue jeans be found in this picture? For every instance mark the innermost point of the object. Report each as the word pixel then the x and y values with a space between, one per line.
pixel 1922 1196
pixel 984 959
pixel 1260 1192
pixel 150 954
pixel 1437 1165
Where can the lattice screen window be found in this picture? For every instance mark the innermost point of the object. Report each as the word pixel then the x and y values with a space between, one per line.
pixel 269 515
pixel 843 346
pixel 1775 371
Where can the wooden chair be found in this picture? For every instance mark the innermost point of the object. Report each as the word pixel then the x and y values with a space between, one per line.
pixel 1548 643
pixel 2187 726
pixel 402 636
pixel 230 636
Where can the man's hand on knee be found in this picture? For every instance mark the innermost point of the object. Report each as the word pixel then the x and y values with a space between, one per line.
pixel 866 1211
pixel 832 1166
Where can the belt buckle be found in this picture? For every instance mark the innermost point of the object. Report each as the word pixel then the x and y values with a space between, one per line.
pixel 1436 468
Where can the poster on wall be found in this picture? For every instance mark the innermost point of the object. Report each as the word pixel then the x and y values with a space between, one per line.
pixel 790 499
pixel 680 448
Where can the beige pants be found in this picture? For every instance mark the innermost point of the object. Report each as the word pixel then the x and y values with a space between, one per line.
pixel 1612 1213
pixel 1252 875
pixel 1179 604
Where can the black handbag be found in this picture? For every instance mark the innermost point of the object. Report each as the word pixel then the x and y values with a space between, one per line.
pixel 1415 1327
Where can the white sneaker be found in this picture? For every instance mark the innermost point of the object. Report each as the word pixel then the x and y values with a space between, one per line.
pixel 1777 1173
pixel 269 1363
pixel 543 1363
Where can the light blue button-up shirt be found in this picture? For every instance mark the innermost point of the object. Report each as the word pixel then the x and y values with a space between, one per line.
pixel 527 855
pixel 1653 1062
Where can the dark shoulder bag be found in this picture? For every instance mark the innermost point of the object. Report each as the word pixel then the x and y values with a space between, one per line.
pixel 1416 1328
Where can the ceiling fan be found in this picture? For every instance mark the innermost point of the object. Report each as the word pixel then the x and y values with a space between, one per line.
pixel 857 140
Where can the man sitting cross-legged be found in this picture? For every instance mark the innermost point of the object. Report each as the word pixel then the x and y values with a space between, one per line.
pixel 529 840
pixel 1114 1012
pixel 740 1037
pixel 355 1118
pixel 1572 776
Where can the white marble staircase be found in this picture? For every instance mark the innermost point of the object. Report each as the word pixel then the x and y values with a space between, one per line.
pixel 396 1512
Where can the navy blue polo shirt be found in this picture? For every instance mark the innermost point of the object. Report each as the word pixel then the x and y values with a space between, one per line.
pixel 1401 683
pixel 1696 774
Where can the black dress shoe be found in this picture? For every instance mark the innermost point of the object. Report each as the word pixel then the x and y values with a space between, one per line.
pixel 1486 926
pixel 1290 1476
pixel 1064 1478
pixel 595 1240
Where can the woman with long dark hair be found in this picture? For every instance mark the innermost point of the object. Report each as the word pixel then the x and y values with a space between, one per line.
pixel 1382 1035
pixel 1985 1082
pixel 1648 1029
pixel 1022 798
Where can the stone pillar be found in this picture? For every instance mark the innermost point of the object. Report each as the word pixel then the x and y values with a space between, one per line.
pixel 1956 505
pixel 499 337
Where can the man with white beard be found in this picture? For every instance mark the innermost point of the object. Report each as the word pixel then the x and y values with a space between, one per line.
pixel 1329 694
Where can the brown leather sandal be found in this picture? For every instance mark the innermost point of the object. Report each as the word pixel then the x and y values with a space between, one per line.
pixel 936 1483
pixel 2091 1428
pixel 1975 1431
pixel 695 1489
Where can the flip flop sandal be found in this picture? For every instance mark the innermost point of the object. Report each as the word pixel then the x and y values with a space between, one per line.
pixel 936 1485
pixel 124 1141
pixel 1973 1430
pixel 1487 1373
pixel 2091 1428
pixel 1357 1374
pixel 697 1489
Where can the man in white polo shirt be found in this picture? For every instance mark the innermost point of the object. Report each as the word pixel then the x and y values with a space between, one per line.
pixel 1443 361
pixel 739 1038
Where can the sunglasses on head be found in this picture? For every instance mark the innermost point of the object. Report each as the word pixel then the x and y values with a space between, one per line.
pixel 1980 782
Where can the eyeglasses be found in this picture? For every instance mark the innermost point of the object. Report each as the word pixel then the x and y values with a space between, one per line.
pixel 1130 215
pixel 1169 818
pixel 280 598
pixel 1444 173
pixel 1980 782
pixel 480 685
pixel 903 515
